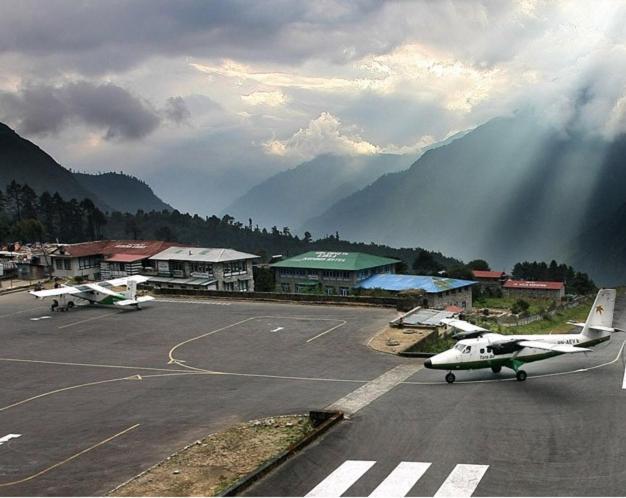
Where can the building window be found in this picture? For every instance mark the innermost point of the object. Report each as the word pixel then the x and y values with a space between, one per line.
pixel 330 291
pixel 58 263
pixel 88 262
pixel 286 288
pixel 229 286
pixel 202 267
pixel 243 286
pixel 67 264
pixel 344 291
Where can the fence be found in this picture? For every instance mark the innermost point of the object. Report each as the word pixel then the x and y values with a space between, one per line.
pixel 387 302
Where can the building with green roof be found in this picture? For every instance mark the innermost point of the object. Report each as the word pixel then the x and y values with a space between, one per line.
pixel 328 272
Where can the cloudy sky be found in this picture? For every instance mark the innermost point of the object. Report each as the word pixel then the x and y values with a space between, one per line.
pixel 203 99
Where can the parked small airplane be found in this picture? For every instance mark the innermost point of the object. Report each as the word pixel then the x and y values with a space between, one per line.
pixel 480 348
pixel 97 293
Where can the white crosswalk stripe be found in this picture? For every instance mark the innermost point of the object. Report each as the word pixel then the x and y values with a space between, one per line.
pixel 461 482
pixel 341 478
pixel 401 479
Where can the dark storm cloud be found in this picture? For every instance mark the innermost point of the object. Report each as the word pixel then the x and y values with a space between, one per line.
pixel 44 109
pixel 176 110
pixel 95 37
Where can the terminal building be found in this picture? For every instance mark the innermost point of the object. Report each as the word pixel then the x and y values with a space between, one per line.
pixel 331 273
pixel 202 268
pixel 104 259
pixel 534 289
pixel 438 292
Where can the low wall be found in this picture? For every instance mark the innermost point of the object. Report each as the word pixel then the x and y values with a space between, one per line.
pixel 387 302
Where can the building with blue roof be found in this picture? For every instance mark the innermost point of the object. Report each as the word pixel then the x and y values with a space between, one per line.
pixel 439 292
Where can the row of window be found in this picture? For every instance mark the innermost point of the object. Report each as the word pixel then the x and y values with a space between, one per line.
pixel 63 263
pixel 305 289
pixel 314 275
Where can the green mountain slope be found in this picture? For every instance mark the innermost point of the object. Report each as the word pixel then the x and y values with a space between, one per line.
pixel 122 192
pixel 512 189
pixel 22 161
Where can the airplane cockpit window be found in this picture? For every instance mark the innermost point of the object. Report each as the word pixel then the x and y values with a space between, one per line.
pixel 460 347
pixel 467 349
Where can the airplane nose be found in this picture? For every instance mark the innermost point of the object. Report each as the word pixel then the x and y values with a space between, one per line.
pixel 428 364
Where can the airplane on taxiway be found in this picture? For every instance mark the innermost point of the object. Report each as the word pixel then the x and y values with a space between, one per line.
pixel 479 348
pixel 101 293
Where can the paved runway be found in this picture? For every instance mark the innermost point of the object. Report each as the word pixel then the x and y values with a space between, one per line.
pixel 560 433
pixel 97 395
pixel 91 397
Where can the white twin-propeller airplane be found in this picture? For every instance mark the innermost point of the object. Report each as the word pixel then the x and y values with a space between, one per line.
pixel 480 348
pixel 97 293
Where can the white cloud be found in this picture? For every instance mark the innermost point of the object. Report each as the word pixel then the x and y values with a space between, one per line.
pixel 271 99
pixel 323 135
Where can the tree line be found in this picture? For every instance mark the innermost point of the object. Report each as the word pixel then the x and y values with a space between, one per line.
pixel 28 217
pixel 575 282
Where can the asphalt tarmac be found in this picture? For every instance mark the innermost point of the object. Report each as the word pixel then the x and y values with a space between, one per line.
pixel 559 433
pixel 92 397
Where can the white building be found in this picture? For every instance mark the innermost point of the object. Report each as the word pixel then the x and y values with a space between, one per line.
pixel 202 268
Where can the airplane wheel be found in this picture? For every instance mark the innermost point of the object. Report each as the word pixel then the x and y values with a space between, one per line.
pixel 496 369
pixel 450 378
pixel 70 305
pixel 521 375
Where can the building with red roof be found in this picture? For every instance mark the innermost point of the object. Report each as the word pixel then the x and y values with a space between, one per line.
pixel 534 289
pixel 488 279
pixel 105 259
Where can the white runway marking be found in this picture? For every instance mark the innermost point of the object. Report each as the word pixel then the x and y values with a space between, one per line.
pixel 40 318
pixel 462 481
pixel 191 301
pixel 8 437
pixel 88 320
pixel 341 478
pixel 374 389
pixel 277 329
pixel 327 331
pixel 401 479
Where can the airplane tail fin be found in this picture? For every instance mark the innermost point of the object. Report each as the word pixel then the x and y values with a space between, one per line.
pixel 132 290
pixel 600 319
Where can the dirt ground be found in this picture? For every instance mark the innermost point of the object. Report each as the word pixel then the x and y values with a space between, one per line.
pixel 394 340
pixel 207 467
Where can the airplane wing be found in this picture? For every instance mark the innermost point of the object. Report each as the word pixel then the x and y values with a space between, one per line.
pixel 558 348
pixel 129 302
pixel 468 330
pixel 116 282
pixel 56 292
pixel 102 290
pixel 463 325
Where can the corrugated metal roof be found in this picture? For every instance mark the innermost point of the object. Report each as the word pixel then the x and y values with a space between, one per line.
pixel 210 255
pixel 124 258
pixel 487 274
pixel 527 284
pixel 427 317
pixel 395 282
pixel 183 281
pixel 330 260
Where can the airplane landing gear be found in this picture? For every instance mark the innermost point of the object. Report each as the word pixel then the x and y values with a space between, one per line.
pixel 520 375
pixel 450 377
pixel 496 369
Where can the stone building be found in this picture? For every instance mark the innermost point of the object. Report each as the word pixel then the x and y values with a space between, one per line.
pixel 534 289
pixel 438 292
